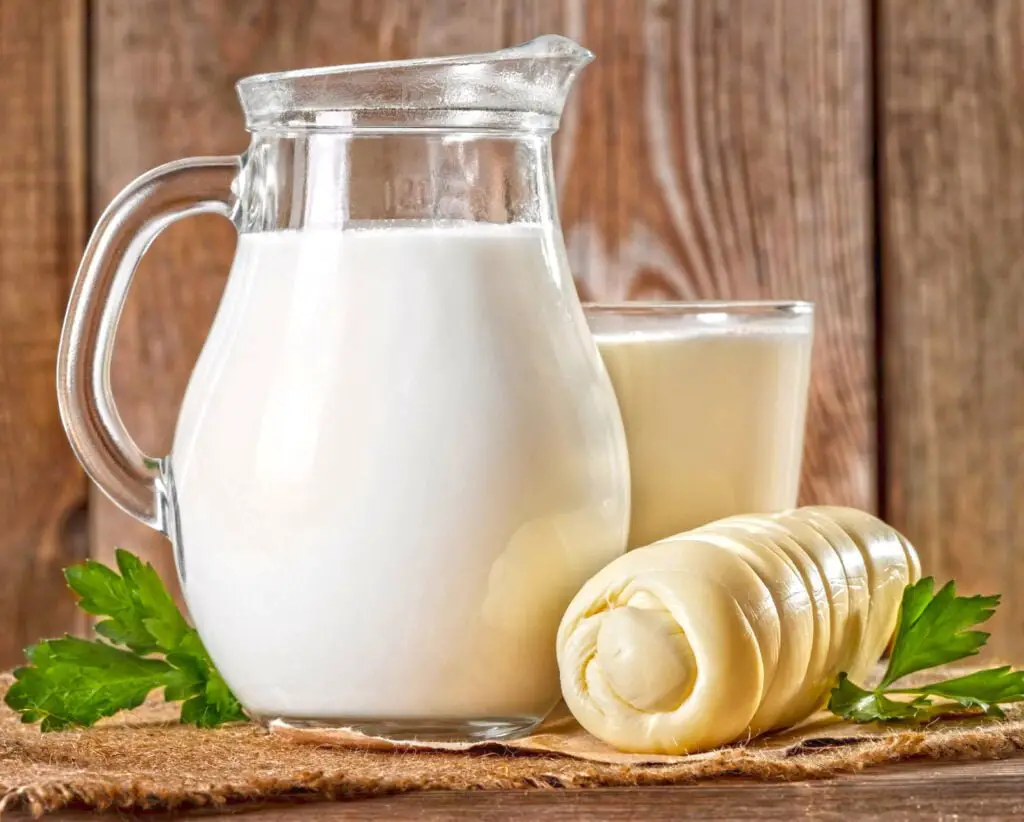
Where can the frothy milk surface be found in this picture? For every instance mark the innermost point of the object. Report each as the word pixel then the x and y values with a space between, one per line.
pixel 394 466
pixel 714 420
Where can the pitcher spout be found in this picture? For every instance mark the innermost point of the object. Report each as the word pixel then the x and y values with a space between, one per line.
pixel 549 64
pixel 554 47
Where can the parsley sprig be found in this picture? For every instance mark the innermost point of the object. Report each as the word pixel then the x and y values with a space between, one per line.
pixel 145 644
pixel 933 629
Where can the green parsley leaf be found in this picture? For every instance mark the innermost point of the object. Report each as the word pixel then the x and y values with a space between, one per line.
pixel 981 689
pixel 161 616
pixel 210 701
pixel 104 593
pixel 74 682
pixel 861 705
pixel 933 629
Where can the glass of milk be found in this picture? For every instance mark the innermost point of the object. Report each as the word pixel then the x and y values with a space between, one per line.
pixel 713 396
pixel 398 456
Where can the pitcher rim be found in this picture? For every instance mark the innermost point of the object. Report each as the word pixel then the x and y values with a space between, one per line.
pixel 522 87
pixel 582 53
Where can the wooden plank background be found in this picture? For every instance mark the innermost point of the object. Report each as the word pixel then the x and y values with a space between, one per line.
pixel 953 284
pixel 42 230
pixel 717 148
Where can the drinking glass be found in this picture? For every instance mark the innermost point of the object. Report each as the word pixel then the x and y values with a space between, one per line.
pixel 713 396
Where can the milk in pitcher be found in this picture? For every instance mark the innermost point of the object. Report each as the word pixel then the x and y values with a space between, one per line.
pixel 366 503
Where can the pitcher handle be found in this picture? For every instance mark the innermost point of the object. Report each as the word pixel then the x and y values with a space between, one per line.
pixel 132 479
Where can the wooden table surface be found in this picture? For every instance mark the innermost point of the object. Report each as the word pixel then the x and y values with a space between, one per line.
pixel 908 791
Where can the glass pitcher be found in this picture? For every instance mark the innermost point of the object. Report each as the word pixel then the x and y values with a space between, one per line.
pixel 398 455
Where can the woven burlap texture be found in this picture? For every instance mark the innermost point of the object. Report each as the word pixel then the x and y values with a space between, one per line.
pixel 145 760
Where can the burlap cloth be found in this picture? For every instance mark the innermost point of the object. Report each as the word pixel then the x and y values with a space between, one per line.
pixel 144 760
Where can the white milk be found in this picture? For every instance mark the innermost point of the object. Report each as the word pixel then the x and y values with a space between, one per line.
pixel 397 460
pixel 714 420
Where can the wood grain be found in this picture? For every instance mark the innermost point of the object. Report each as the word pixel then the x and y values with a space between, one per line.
pixel 903 793
pixel 721 149
pixel 42 225
pixel 953 275
pixel 717 149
